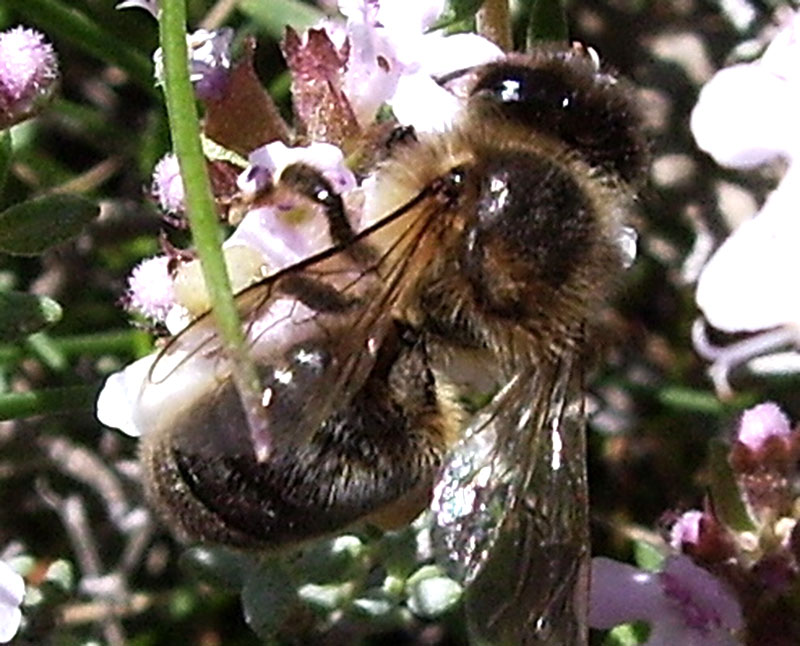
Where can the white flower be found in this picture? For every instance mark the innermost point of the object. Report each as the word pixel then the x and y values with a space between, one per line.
pixel 747 115
pixel 271 159
pixel 394 59
pixel 150 290
pixel 12 592
pixel 684 604
pixel 209 59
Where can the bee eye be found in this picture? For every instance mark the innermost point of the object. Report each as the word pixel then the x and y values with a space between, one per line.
pixel 541 92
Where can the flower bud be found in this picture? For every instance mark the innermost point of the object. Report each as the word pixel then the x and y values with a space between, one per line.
pixel 28 74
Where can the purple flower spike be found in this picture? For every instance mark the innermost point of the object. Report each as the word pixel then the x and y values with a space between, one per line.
pixel 684 604
pixel 28 74
pixel 168 185
pixel 760 423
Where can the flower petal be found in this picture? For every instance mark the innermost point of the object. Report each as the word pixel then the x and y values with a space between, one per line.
pixel 440 55
pixel 750 282
pixel 424 104
pixel 621 593
pixel 746 116
pixel 119 395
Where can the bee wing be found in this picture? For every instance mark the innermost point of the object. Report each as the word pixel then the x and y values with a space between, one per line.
pixel 511 511
pixel 313 330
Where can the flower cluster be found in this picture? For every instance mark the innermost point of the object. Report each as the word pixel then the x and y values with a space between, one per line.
pixel 746 116
pixel 342 73
pixel 739 566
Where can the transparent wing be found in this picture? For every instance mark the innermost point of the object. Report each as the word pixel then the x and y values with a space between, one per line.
pixel 511 512
pixel 313 330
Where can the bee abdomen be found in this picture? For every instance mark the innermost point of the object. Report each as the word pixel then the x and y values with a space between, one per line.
pixel 387 443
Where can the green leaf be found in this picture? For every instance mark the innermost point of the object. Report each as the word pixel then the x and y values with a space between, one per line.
pixel 648 556
pixel 725 492
pixel 547 22
pixel 455 11
pixel 29 228
pixel 268 599
pixel 628 635
pixel 272 16
pixel 5 157
pixel 51 400
pixel 22 314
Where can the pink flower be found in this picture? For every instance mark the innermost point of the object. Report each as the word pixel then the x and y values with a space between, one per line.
pixel 28 74
pixel 168 184
pixel 684 604
pixel 150 289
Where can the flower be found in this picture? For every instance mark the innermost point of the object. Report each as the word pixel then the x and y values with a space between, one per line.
pixel 150 6
pixel 684 604
pixel 394 59
pixel 209 59
pixel 28 74
pixel 746 116
pixel 150 290
pixel 168 185
pixel 267 239
pixel 12 592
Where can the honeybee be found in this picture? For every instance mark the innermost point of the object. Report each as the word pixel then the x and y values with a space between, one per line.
pixel 490 245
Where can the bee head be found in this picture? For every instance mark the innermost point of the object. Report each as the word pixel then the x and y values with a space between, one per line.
pixel 563 95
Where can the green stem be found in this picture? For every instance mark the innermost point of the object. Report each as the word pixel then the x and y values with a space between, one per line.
pixel 42 402
pixel 200 208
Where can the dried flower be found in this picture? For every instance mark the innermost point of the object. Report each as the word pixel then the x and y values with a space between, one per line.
pixel 28 74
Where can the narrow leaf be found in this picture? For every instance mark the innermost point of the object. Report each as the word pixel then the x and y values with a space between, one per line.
pixel 547 22
pixel 725 492
pixel 5 157
pixel 22 314
pixel 29 228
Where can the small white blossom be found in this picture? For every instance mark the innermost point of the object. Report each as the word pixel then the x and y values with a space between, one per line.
pixel 271 159
pixel 12 592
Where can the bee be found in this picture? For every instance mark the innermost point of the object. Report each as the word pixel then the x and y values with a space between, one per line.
pixel 491 246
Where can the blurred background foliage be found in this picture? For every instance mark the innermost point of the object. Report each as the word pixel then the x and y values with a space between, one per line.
pixel 70 500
